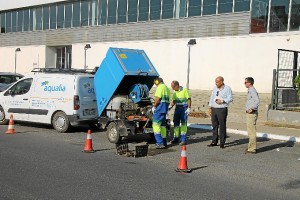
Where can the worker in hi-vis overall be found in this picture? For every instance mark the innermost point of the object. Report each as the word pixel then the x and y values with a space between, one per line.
pixel 160 110
pixel 182 99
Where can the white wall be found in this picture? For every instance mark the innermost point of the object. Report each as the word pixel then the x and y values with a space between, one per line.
pixel 234 58
pixel 28 58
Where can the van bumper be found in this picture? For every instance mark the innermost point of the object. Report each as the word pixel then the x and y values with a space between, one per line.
pixel 75 120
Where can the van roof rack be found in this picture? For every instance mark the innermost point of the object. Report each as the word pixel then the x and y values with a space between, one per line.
pixel 60 70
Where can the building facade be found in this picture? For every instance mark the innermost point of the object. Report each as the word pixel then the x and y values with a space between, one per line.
pixel 235 38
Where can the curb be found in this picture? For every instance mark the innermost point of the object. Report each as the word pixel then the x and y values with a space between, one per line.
pixel 241 132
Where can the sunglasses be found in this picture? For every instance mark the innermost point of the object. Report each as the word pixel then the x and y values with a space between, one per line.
pixel 217 93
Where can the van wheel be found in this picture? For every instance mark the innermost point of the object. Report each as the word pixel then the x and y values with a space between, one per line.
pixel 3 121
pixel 60 122
pixel 112 133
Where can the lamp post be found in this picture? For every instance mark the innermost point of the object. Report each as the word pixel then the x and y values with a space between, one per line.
pixel 16 51
pixel 189 44
pixel 86 47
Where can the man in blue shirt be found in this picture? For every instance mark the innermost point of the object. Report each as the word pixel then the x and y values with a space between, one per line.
pixel 220 98
pixel 252 104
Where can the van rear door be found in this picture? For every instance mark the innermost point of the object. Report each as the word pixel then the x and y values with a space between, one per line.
pixel 86 98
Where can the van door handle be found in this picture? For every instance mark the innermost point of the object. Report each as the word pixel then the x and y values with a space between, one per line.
pixel 25 99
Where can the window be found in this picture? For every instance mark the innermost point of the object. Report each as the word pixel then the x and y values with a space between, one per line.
pixel 225 6
pixel 21 87
pixel 14 21
pixel 112 14
pixel 45 17
pixel 8 22
pixel 279 15
pixel 53 16
pixel 241 5
pixel 60 15
pixel 2 22
pixel 180 8
pixel 167 9
pixel 84 13
pixel 20 21
pixel 122 10
pixel 39 18
pixel 26 20
pixel 295 16
pixel 93 12
pixel 103 13
pixel 132 10
pixel 76 14
pixel 144 10
pixel 259 20
pixel 68 15
pixel 209 7
pixel 194 8
pixel 155 9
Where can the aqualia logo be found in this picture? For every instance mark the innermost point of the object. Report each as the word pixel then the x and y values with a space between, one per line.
pixel 89 88
pixel 53 88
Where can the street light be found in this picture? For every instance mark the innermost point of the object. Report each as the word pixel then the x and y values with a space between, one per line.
pixel 86 47
pixel 17 50
pixel 189 44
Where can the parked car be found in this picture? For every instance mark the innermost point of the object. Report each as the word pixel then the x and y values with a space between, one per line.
pixel 7 78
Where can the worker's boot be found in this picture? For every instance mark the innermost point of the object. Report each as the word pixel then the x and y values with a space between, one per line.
pixel 175 140
pixel 159 141
pixel 183 139
pixel 165 142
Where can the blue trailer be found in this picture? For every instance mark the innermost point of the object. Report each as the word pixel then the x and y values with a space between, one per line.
pixel 122 84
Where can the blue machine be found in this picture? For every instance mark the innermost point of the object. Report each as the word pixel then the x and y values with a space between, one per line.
pixel 122 84
pixel 120 70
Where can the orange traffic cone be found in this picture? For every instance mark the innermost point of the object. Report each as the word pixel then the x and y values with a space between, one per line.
pixel 88 143
pixel 10 129
pixel 182 166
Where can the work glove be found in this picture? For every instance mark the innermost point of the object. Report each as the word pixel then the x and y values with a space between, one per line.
pixel 188 110
pixel 153 109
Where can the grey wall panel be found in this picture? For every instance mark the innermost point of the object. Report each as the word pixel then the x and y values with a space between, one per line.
pixel 230 24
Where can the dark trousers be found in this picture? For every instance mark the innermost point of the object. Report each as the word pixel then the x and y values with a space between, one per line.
pixel 218 120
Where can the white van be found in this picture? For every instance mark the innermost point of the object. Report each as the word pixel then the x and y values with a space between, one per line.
pixel 63 99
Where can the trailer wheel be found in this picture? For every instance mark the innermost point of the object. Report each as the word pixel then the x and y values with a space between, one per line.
pixel 112 133
pixel 60 122
pixel 3 121
pixel 152 137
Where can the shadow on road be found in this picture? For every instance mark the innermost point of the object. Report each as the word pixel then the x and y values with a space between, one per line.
pixel 275 146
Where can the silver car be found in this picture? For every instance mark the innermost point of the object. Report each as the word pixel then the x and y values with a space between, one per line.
pixel 7 78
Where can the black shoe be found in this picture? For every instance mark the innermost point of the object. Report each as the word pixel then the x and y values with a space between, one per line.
pixel 212 144
pixel 222 146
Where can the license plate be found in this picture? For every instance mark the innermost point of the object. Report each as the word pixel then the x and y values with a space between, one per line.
pixel 88 112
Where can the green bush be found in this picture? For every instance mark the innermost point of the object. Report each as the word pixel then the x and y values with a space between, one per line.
pixel 297 84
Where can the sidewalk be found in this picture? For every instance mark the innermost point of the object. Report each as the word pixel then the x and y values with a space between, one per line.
pixel 264 131
pixel 236 117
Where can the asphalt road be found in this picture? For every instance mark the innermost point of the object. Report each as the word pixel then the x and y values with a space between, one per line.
pixel 39 163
